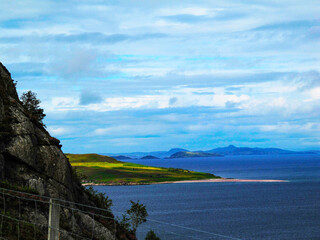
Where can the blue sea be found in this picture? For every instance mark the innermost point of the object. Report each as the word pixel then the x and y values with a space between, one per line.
pixel 282 210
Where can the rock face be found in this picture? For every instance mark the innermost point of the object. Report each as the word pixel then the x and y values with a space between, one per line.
pixel 30 157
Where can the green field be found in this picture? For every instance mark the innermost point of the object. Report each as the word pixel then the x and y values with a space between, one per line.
pixel 106 170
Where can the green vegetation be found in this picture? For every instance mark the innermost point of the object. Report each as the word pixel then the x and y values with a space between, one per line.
pixel 31 103
pixel 5 184
pixel 100 199
pixel 136 215
pixel 15 211
pixel 106 170
pixel 151 236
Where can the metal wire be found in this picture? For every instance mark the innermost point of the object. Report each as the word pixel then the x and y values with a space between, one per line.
pixel 19 219
pixel 64 204
pixel 192 229
pixel 35 220
pixel 4 210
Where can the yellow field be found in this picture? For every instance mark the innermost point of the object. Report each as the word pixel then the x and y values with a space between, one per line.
pixel 106 170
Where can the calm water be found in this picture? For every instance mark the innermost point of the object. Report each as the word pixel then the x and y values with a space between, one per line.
pixel 288 210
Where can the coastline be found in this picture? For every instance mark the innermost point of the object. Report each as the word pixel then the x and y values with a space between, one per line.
pixel 215 180
pixel 225 180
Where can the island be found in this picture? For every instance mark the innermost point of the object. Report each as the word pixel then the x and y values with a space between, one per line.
pixel 193 155
pixel 95 169
pixel 150 157
pixel 121 157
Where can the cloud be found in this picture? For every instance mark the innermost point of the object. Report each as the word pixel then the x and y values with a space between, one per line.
pixel 186 18
pixel 59 131
pixel 136 130
pixel 290 25
pixel 307 80
pixel 218 15
pixel 89 98
pixel 90 37
pixel 74 65
pixel 231 104
pixel 314 93
pixel 286 127
pixel 173 101
pixel 193 74
pixel 185 97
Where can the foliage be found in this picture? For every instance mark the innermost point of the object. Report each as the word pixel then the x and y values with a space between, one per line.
pixel 85 158
pixel 124 222
pixel 137 214
pixel 77 176
pixel 106 170
pixel 151 236
pixel 31 103
pixel 10 228
pixel 100 199
pixel 27 189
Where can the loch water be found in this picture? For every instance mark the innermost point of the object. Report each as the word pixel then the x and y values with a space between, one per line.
pixel 277 210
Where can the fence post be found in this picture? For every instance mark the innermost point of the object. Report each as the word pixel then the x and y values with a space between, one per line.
pixel 54 219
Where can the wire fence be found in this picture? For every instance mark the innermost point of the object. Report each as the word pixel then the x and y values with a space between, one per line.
pixel 26 216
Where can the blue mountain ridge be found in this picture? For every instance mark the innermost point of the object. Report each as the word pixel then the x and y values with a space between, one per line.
pixel 229 150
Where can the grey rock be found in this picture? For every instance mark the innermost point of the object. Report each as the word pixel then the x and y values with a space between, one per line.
pixel 37 184
pixel 29 156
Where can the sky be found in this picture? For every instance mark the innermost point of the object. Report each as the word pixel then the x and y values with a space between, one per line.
pixel 123 76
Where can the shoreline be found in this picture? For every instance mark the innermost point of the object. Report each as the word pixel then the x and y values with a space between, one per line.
pixel 215 180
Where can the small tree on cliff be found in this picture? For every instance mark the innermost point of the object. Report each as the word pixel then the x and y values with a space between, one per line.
pixel 137 214
pixel 31 103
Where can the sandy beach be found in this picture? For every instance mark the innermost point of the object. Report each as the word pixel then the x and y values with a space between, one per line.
pixel 215 180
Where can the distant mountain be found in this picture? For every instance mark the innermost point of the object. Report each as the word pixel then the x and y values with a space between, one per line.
pixel 158 154
pixel 149 157
pixel 121 157
pixel 233 150
pixel 193 155
pixel 176 150
pixel 230 150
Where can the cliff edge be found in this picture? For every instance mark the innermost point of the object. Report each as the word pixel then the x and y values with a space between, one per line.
pixel 30 157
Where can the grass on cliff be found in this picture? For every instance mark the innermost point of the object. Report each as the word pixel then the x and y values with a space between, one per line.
pixel 107 170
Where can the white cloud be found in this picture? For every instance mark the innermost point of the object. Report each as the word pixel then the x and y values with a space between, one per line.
pixel 273 72
pixel 197 11
pixel 286 127
pixel 130 130
pixel 59 131
pixel 314 94
pixel 184 97
pixel 202 127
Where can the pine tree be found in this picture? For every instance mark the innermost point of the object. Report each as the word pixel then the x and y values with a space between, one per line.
pixel 31 104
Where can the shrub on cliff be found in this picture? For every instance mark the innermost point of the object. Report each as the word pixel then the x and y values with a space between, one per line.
pixel 137 214
pixel 31 103
pixel 151 236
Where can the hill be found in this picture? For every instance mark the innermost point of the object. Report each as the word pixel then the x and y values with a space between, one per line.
pixel 149 157
pixel 108 171
pixel 230 150
pixel 121 157
pixel 158 154
pixel 193 155
pixel 78 158
pixel 233 150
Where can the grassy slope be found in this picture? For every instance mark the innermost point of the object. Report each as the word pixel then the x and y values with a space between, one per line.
pixel 103 169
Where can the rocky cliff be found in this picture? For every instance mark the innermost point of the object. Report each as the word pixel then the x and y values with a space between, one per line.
pixel 30 157
pixel 28 154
